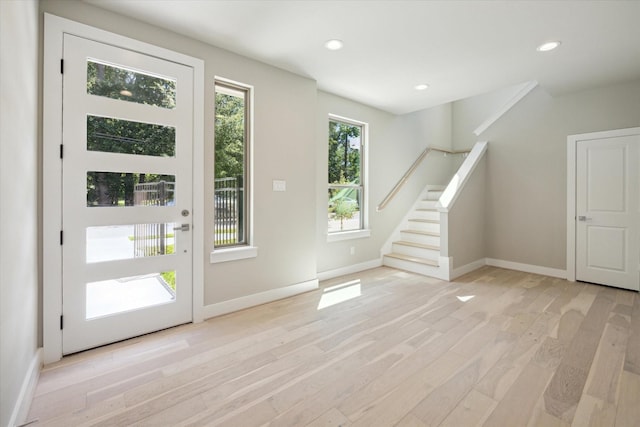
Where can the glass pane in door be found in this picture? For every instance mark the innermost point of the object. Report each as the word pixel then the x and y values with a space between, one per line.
pixel 108 297
pixel 106 189
pixel 116 242
pixel 113 135
pixel 116 82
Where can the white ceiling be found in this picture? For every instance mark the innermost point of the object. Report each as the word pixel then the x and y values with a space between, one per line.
pixel 459 48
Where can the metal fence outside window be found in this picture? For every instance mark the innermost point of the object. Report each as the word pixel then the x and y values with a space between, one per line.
pixel 156 239
pixel 229 212
pixel 152 239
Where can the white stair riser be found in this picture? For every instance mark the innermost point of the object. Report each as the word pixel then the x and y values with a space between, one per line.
pixel 433 215
pixel 416 252
pixel 427 204
pixel 433 195
pixel 426 270
pixel 420 238
pixel 424 226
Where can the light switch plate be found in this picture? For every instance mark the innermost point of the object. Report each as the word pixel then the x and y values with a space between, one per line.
pixel 279 185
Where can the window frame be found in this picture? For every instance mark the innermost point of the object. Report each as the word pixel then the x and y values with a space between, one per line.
pixel 363 230
pixel 244 249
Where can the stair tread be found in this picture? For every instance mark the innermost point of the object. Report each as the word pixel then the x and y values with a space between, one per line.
pixel 430 221
pixel 426 233
pixel 418 260
pixel 427 209
pixel 417 245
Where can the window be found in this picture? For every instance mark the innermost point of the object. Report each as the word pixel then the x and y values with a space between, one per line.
pixel 231 159
pixel 346 175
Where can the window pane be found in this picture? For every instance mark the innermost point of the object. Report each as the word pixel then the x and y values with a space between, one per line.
pixel 344 153
pixel 116 242
pixel 344 209
pixel 122 136
pixel 228 203
pixel 129 293
pixel 129 189
pixel 230 157
pixel 129 85
pixel 345 176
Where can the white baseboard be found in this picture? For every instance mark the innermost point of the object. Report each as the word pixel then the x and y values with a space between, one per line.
pixel 527 268
pixel 241 303
pixel 350 269
pixel 467 268
pixel 28 389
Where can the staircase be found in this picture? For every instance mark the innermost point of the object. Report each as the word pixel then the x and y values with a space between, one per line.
pixel 418 249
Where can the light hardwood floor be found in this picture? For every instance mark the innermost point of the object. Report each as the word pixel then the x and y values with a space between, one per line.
pixel 494 348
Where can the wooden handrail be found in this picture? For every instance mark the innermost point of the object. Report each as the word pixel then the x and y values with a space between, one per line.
pixel 396 188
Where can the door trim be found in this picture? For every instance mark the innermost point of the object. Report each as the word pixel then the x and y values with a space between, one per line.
pixel 572 144
pixel 54 29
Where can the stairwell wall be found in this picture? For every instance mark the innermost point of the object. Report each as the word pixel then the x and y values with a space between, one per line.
pixel 526 166
pixel 466 220
pixel 471 112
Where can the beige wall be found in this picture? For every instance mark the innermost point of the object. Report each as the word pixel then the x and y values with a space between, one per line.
pixel 19 199
pixel 527 166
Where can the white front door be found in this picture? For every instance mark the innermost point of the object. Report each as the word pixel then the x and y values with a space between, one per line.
pixel 608 211
pixel 127 194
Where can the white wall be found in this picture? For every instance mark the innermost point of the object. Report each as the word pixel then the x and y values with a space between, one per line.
pixel 19 200
pixel 394 143
pixel 527 166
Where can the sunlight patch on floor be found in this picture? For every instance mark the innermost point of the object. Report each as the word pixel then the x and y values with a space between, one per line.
pixel 340 293
pixel 466 298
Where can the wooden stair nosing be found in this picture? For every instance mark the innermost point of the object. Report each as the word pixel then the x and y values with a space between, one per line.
pixel 428 221
pixel 417 260
pixel 426 233
pixel 417 245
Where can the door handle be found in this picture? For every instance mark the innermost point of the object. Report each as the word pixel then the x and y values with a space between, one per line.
pixel 182 227
pixel 584 218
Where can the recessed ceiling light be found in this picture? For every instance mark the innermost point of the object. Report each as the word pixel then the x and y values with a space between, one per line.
pixel 334 44
pixel 422 86
pixel 545 47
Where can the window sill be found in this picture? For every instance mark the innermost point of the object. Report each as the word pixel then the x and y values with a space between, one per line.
pixel 233 254
pixel 348 235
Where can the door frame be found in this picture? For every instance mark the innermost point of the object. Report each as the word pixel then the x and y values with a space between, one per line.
pixel 572 144
pixel 54 30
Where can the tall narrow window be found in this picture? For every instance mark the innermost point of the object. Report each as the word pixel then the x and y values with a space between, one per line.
pixel 346 175
pixel 231 155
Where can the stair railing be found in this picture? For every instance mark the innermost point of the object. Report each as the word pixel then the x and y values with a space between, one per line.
pixel 396 188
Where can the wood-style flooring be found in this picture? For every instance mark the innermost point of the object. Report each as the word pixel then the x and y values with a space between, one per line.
pixel 378 348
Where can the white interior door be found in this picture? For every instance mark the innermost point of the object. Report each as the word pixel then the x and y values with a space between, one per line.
pixel 608 211
pixel 127 194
